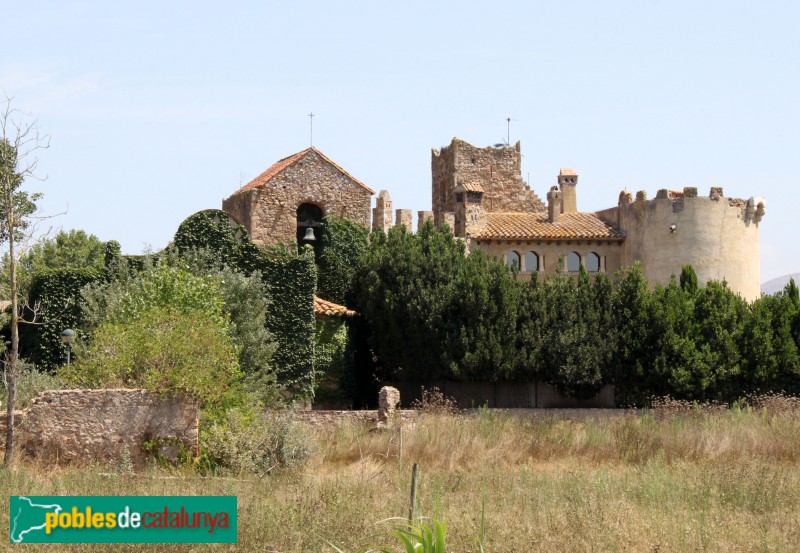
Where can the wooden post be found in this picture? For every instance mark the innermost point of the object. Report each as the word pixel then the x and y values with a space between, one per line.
pixel 414 474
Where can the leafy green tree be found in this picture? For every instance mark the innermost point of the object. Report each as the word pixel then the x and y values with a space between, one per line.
pixel 770 355
pixel 530 331
pixel 632 369
pixel 73 250
pixel 689 279
pixel 484 307
pixel 574 353
pixel 718 315
pixel 675 360
pixel 434 312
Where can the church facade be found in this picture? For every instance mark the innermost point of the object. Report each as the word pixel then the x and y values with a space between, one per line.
pixel 294 194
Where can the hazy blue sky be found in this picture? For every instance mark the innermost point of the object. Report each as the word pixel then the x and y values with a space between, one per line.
pixel 159 109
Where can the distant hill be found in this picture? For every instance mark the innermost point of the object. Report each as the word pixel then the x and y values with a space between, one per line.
pixel 778 284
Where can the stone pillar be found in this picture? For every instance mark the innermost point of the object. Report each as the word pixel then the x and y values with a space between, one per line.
pixel 447 218
pixel 422 217
pixel 382 212
pixel 388 400
pixel 403 218
pixel 554 205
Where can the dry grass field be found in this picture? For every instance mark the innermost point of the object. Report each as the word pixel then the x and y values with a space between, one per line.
pixel 672 479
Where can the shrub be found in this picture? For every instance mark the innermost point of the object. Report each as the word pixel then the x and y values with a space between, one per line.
pixel 164 350
pixel 30 381
pixel 257 444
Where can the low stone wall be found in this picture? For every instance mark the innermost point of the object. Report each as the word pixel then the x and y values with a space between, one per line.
pixel 85 426
pixel 504 395
pixel 315 418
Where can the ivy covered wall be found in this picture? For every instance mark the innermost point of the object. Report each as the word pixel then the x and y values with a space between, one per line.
pixel 57 293
pixel 291 279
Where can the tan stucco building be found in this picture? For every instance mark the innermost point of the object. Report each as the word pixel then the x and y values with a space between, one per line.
pixel 482 192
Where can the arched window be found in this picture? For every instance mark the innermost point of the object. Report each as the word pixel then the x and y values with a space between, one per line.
pixel 592 262
pixel 531 262
pixel 308 216
pixel 512 260
pixel 573 262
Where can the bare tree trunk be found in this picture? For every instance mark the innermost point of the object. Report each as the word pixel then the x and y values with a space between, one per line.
pixel 11 358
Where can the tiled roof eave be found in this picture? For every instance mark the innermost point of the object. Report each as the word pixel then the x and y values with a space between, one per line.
pixel 614 238
pixel 267 176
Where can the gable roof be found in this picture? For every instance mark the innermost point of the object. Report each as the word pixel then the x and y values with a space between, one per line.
pixel 283 164
pixel 537 226
pixel 330 309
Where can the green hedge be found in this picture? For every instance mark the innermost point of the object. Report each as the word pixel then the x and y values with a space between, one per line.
pixel 57 292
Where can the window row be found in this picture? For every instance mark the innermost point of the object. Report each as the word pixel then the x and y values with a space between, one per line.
pixel 530 262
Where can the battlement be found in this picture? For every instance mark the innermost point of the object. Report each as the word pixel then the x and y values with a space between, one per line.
pixel 750 210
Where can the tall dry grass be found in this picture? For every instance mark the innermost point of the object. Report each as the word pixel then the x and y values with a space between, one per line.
pixel 667 480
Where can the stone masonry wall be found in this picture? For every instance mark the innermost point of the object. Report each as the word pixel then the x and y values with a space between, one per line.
pixel 270 211
pixel 85 426
pixel 403 218
pixel 497 170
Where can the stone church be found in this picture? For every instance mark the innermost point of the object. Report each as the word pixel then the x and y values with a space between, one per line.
pixel 481 195
pixel 294 194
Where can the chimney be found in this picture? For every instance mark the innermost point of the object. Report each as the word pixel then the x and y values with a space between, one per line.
pixel 567 182
pixel 554 205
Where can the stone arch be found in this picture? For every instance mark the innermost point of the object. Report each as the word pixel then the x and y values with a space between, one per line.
pixel 573 262
pixel 308 214
pixel 592 262
pixel 513 258
pixel 531 262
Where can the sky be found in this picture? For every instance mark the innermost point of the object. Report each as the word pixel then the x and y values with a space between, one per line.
pixel 156 110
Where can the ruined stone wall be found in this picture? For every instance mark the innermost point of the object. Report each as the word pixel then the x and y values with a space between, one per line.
pixel 422 217
pixel 717 236
pixel 403 219
pixel 504 395
pixel 270 211
pixel 498 170
pixel 552 254
pixel 332 417
pixel 86 426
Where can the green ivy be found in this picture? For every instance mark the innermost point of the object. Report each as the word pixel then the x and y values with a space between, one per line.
pixel 333 360
pixel 57 293
pixel 291 280
pixel 341 245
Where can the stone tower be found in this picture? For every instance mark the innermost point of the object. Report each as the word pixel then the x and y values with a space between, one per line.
pixel 496 170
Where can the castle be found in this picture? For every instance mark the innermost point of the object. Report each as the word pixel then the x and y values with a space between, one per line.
pixel 481 195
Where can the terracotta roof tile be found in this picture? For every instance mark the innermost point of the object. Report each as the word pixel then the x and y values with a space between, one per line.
pixel 472 187
pixel 330 309
pixel 567 172
pixel 536 226
pixel 283 164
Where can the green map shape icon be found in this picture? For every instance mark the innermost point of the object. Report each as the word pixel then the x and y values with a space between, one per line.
pixel 27 516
